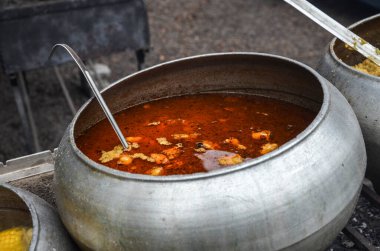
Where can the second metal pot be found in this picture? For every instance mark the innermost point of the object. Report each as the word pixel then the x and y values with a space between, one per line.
pixel 361 90
pixel 21 208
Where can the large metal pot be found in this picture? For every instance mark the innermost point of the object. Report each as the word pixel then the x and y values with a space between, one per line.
pixel 21 208
pixel 361 90
pixel 295 198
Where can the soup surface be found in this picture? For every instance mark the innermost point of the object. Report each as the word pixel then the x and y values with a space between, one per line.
pixel 194 133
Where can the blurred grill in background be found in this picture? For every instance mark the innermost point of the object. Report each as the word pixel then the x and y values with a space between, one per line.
pixel 95 28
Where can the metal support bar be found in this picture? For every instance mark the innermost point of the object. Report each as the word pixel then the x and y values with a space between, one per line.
pixel 65 91
pixel 140 56
pixel 361 242
pixel 371 195
pixel 24 109
pixel 29 112
pixel 27 166
pixel 21 110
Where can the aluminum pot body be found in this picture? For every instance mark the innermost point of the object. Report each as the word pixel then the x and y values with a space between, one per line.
pixel 361 90
pixel 297 197
pixel 19 207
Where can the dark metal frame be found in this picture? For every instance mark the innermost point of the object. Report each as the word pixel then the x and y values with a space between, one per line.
pixel 93 27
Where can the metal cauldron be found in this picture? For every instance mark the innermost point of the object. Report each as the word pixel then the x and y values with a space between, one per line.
pixel 21 208
pixel 295 198
pixel 361 90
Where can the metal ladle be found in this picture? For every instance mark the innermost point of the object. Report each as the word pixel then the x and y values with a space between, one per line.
pixel 95 90
pixel 338 30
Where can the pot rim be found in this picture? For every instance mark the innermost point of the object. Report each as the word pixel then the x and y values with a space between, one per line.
pixel 33 214
pixel 195 176
pixel 339 61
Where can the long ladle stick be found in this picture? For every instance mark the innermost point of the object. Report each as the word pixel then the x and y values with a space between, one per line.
pixel 95 90
pixel 338 30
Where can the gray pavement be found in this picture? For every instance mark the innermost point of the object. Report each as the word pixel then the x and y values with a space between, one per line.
pixel 180 28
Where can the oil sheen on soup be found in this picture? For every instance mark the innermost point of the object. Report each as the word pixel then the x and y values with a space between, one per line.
pixel 194 133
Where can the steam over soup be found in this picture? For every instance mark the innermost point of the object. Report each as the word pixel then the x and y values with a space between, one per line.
pixel 194 133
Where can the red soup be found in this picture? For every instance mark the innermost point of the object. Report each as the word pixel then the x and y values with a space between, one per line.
pixel 194 133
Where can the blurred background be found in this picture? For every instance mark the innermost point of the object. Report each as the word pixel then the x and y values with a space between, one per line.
pixel 177 28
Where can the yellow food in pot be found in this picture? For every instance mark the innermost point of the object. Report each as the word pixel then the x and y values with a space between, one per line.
pixel 369 67
pixel 16 239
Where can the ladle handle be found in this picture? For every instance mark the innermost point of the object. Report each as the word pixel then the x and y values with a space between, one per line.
pixel 95 90
pixel 338 30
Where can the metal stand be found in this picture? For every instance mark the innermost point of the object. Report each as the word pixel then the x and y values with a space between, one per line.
pixel 22 21
pixel 140 55
pixel 21 96
pixel 24 108
pixel 65 91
